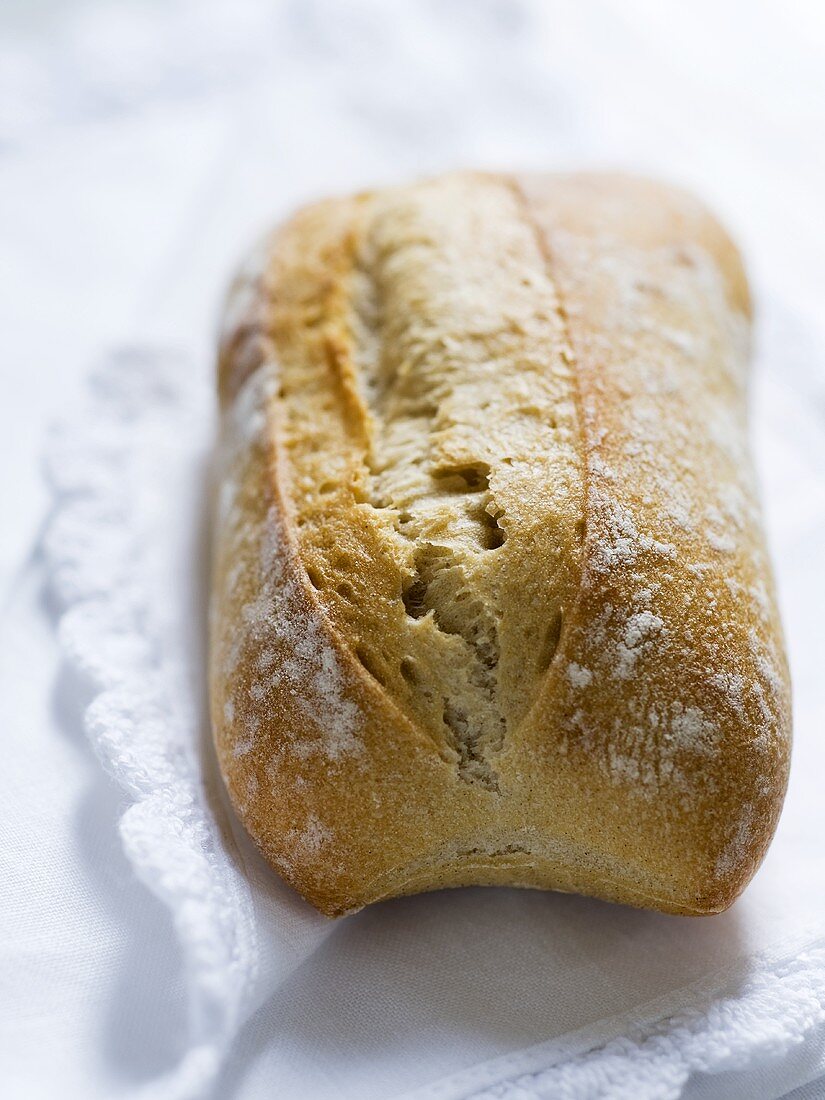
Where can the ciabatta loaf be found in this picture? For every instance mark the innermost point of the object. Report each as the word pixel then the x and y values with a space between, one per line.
pixel 491 602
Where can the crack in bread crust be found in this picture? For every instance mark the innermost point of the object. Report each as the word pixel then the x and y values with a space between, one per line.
pixel 436 394
pixel 446 513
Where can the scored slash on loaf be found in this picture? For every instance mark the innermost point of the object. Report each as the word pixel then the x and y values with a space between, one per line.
pixel 491 602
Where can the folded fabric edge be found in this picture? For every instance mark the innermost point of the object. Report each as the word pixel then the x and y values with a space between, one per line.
pixel 653 1050
pixel 144 426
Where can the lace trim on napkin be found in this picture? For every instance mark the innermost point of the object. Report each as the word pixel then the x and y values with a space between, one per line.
pixel 118 569
pixel 653 1051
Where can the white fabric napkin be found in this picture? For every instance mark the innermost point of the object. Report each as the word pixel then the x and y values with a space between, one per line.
pixel 462 993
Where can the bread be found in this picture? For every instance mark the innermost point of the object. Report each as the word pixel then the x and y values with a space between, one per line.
pixel 491 602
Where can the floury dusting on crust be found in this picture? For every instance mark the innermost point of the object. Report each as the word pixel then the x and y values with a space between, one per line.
pixel 644 527
pixel 276 621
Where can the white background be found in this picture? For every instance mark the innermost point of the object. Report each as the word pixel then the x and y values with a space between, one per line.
pixel 142 146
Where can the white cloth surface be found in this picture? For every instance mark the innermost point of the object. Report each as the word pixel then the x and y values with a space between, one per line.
pixel 141 147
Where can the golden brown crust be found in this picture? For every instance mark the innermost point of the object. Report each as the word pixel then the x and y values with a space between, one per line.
pixel 491 602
